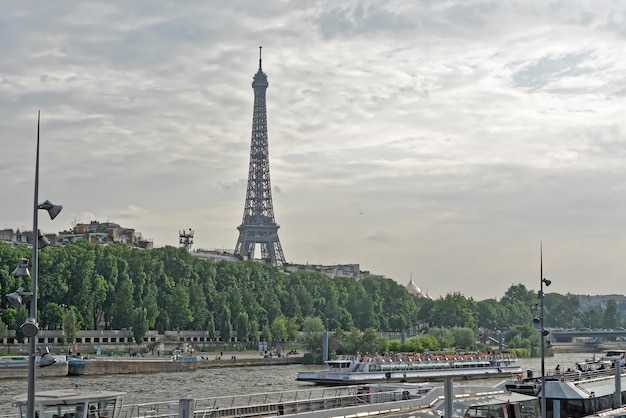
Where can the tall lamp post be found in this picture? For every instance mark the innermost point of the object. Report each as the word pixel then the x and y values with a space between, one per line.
pixel 544 332
pixel 30 328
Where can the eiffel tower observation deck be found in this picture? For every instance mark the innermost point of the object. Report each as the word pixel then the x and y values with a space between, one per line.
pixel 258 225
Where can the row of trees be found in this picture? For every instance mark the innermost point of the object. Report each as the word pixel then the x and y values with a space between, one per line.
pixel 88 286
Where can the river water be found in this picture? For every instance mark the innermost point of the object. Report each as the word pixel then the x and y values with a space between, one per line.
pixel 206 383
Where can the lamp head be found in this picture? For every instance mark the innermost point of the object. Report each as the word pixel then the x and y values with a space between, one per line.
pixel 53 210
pixel 22 268
pixel 46 359
pixel 546 281
pixel 536 320
pixel 42 241
pixel 30 328
pixel 15 298
pixel 545 332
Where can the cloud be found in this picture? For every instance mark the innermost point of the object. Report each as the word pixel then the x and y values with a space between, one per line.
pixel 466 131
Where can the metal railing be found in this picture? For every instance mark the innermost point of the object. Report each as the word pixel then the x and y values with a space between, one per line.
pixel 262 404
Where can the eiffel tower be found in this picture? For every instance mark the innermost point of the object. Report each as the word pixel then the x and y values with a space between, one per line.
pixel 258 225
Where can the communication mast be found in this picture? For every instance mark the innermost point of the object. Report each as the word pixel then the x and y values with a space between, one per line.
pixel 186 238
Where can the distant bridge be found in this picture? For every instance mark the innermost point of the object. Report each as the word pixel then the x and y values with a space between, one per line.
pixel 566 335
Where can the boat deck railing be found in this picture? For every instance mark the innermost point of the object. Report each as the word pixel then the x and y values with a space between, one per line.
pixel 262 404
pixel 577 375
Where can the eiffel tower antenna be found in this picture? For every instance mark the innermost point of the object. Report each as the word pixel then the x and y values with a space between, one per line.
pixel 258 225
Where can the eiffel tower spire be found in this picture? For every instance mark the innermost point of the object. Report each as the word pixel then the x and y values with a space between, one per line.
pixel 258 225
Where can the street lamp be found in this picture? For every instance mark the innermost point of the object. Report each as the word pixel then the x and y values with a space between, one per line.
pixel 30 328
pixel 544 332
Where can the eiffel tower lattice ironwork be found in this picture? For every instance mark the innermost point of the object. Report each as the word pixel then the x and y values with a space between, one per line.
pixel 258 225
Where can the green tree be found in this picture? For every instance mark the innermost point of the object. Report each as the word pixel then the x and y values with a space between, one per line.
pixel 279 329
pixel 242 327
pixel 140 324
pixel 371 343
pixel 312 331
pixel 464 338
pixel 266 333
pixel 454 310
pixel 70 326
pixel 293 329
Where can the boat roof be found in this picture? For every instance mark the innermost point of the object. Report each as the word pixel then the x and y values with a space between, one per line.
pixel 599 387
pixel 561 390
pixel 581 390
pixel 67 396
pixel 497 399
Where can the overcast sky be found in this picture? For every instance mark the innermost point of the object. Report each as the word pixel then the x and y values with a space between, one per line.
pixel 442 139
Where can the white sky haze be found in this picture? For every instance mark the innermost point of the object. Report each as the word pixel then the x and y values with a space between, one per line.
pixel 443 139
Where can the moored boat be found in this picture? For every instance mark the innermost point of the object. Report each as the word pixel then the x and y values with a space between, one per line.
pixel 352 370
pixel 588 388
pixel 72 403
pixel 13 367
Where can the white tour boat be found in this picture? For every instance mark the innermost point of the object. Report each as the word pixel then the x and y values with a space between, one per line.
pixel 353 370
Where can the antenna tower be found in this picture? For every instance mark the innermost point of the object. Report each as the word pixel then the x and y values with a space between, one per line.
pixel 186 238
pixel 258 225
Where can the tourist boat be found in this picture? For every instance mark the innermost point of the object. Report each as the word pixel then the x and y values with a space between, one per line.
pixel 12 367
pixel 343 401
pixel 611 355
pixel 578 392
pixel 352 370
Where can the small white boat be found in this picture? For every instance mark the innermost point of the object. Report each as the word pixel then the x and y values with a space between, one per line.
pixel 612 355
pixel 352 370
pixel 12 367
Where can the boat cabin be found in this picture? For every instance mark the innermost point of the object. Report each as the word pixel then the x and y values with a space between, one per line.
pixel 72 403
pixel 339 365
pixel 613 354
pixel 508 405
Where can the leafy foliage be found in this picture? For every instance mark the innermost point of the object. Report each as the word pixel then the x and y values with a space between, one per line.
pixel 88 286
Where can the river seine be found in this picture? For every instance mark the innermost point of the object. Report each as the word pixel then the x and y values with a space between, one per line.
pixel 206 383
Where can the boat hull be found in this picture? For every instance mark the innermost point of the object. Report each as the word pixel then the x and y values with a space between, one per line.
pixel 17 368
pixel 355 378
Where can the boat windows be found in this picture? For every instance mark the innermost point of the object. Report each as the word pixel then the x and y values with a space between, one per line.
pixel 486 411
pixel 100 409
pixel 529 409
pixel 339 365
